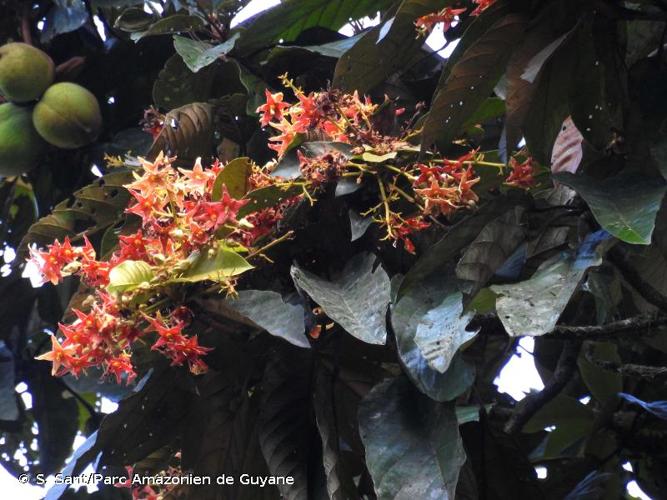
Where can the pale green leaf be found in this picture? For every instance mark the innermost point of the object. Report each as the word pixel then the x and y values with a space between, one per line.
pixel 128 275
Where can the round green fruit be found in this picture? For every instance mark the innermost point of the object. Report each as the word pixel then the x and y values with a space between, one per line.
pixel 20 145
pixel 68 116
pixel 25 72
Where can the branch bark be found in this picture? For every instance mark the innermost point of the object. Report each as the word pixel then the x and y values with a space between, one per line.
pixel 565 368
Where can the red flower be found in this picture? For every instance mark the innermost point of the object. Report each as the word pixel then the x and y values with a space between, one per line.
pixel 273 108
pixel 446 16
pixel 522 174
pixel 120 365
pixel 61 357
pixel 482 5
pixel 213 214
pixel 146 206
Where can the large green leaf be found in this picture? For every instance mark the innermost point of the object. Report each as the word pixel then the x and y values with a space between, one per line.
pixel 214 265
pixel 598 99
pixel 269 311
pixel 91 209
pixel 286 21
pixel 383 50
pixel 492 247
pixel 442 331
pixel 177 86
pixel 327 403
pixel 625 205
pixel 417 308
pixel 549 106
pixel 532 307
pixel 413 447
pixel 471 80
pixel 285 429
pixel 438 256
pixel 178 23
pixel 357 300
pixel 148 420
pixel 197 55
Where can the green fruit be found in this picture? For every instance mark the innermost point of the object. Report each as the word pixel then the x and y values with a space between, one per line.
pixel 25 72
pixel 68 116
pixel 20 145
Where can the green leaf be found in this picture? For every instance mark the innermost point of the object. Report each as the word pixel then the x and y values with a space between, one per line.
pixel 492 247
pixel 90 210
pixel 357 300
pixel 413 446
pixel 373 158
pixel 625 205
pixel 286 21
pixel 548 108
pixel 128 275
pixel 177 86
pixel 270 312
pixel 442 331
pixel 134 19
pixel 148 419
pixel 383 50
pixel 266 197
pixel 559 411
pixel 415 309
pixel 532 307
pixel 358 225
pixel 603 384
pixel 178 23
pixel 331 426
pixel 492 107
pixel 214 265
pixel 437 258
pixel 598 96
pixel 197 55
pixel 64 17
pixel 234 177
pixel 284 421
pixel 471 80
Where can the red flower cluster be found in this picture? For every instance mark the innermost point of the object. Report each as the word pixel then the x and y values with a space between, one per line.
pixel 402 229
pixel 323 168
pixel 447 187
pixel 446 16
pixel 179 220
pixel 522 174
pixel 328 115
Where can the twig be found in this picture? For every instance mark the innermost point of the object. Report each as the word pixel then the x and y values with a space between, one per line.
pixel 629 326
pixel 567 364
pixel 630 369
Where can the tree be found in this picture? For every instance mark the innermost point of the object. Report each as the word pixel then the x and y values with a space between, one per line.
pixel 292 253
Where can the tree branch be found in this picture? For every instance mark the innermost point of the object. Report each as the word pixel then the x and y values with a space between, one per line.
pixel 567 364
pixel 629 326
pixel 631 369
pixel 490 323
